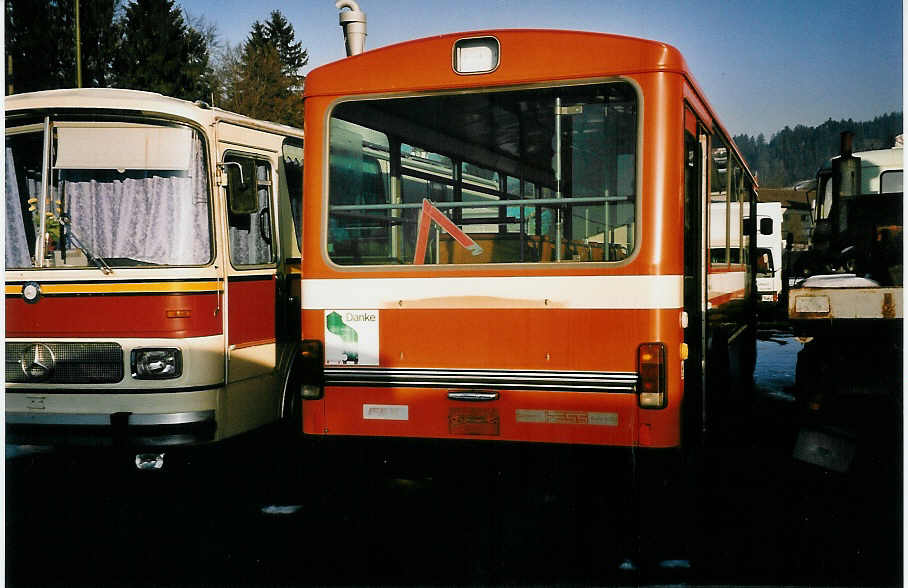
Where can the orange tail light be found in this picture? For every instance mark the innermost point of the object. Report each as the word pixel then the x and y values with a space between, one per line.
pixel 312 360
pixel 651 375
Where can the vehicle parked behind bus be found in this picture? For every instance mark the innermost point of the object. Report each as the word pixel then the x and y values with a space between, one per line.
pixel 768 260
pixel 152 270
pixel 769 252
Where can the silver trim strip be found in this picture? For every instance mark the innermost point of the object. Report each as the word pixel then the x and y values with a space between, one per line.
pixel 473 396
pixel 617 382
pixel 81 419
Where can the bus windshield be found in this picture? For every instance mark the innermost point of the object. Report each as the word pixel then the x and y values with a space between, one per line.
pixel 118 195
pixel 525 176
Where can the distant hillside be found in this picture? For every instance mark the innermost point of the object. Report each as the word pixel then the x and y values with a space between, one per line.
pixel 796 154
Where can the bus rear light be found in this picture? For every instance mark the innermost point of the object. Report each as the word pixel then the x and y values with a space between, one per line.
pixel 651 375
pixel 312 369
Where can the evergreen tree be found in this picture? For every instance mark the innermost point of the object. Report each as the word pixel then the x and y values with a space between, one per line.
pixel 100 39
pixel 292 55
pixel 258 37
pixel 40 45
pixel 160 53
pixel 795 154
pixel 206 33
pixel 263 76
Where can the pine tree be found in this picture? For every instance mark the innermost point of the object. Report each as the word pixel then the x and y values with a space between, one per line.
pixel 160 53
pixel 206 32
pixel 795 154
pixel 100 38
pixel 40 45
pixel 263 76
pixel 292 55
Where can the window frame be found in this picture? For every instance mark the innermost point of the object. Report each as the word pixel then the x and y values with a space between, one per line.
pixel 638 232
pixel 46 124
pixel 274 243
pixel 891 172
pixel 296 214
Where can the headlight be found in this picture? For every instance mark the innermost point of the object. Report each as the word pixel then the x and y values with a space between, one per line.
pixel 156 364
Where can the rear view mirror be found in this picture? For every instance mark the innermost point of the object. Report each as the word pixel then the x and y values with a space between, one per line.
pixel 241 193
pixel 766 226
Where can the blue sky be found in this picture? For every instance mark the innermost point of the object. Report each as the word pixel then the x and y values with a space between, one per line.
pixel 763 64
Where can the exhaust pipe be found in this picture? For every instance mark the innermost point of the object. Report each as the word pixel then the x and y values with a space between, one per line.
pixel 846 170
pixel 354 23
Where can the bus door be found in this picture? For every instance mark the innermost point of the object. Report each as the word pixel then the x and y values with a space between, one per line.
pixel 289 216
pixel 251 282
pixel 696 199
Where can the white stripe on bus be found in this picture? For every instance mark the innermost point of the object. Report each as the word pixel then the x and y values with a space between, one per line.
pixel 577 292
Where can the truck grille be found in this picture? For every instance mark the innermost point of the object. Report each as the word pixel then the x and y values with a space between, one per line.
pixel 64 363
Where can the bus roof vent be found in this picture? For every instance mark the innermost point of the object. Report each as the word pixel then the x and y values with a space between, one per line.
pixel 354 23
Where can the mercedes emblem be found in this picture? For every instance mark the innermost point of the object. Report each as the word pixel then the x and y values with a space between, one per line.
pixel 37 361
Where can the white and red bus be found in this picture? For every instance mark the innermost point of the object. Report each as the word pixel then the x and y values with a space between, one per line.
pixel 507 236
pixel 152 270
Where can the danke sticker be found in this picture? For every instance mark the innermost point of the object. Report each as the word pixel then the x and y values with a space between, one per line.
pixel 351 337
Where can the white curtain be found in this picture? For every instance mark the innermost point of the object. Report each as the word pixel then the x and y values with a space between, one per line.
pixel 17 253
pixel 160 218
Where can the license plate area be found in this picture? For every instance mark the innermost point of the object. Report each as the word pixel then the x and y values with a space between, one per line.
pixel 474 420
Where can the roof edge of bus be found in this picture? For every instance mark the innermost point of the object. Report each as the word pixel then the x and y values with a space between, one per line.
pixel 128 99
pixel 718 122
pixel 672 61
pixel 64 94
pixel 578 32
pixel 492 32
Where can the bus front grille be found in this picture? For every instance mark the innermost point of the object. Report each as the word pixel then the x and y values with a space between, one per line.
pixel 64 363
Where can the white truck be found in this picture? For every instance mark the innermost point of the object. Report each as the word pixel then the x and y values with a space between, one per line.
pixel 769 252
pixel 850 309
pixel 768 249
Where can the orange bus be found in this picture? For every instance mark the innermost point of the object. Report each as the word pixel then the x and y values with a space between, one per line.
pixel 506 236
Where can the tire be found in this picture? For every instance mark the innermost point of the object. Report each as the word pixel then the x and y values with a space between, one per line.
pixel 292 405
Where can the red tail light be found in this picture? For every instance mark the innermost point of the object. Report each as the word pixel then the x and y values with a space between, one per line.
pixel 312 366
pixel 651 375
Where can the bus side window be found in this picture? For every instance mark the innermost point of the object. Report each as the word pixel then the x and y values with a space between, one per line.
pixel 293 172
pixel 720 164
pixel 250 233
pixel 891 181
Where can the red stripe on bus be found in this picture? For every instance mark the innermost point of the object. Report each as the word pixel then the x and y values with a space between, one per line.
pixel 114 316
pixel 252 311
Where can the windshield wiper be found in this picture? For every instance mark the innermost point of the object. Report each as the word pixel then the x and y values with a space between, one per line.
pixel 96 260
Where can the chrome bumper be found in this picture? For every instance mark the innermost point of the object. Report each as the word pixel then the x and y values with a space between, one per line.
pixel 132 429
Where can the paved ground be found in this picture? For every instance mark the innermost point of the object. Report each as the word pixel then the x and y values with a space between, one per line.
pixel 508 514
